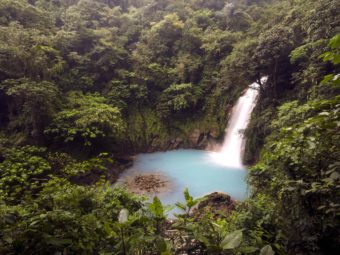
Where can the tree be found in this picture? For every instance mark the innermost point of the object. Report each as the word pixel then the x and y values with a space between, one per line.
pixel 178 97
pixel 25 14
pixel 27 52
pixel 239 63
pixel 162 37
pixel 87 119
pixel 271 56
pixel 31 105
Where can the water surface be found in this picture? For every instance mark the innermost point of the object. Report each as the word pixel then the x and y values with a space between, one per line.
pixel 195 169
pixel 204 172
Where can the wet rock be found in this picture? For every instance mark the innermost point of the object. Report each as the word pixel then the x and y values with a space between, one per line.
pixel 213 133
pixel 196 139
pixel 176 143
pixel 194 136
pixel 217 203
pixel 148 183
pixel 157 144
pixel 203 143
pixel 213 145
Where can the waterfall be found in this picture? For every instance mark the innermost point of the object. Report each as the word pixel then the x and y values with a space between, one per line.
pixel 231 152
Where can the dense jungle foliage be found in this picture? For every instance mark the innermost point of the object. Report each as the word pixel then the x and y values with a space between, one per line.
pixel 83 82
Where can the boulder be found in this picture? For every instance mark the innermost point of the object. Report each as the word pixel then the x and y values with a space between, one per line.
pixel 217 203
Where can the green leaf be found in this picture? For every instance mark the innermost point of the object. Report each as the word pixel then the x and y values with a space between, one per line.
pixel 248 249
pixel 156 207
pixel 232 240
pixel 267 250
pixel 335 176
pixel 8 239
pixel 180 206
pixel 202 239
pixel 335 42
pixel 187 196
pixel 58 242
pixel 327 79
pixel 166 253
pixel 123 216
pixel 160 244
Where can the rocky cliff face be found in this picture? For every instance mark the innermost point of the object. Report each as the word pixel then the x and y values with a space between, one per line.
pixel 196 139
pixel 147 132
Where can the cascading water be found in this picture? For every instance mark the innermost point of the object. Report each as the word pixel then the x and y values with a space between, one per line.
pixel 232 149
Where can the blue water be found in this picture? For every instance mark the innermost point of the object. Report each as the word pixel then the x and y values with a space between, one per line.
pixel 195 169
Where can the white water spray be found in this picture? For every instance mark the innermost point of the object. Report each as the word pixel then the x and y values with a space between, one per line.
pixel 233 146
